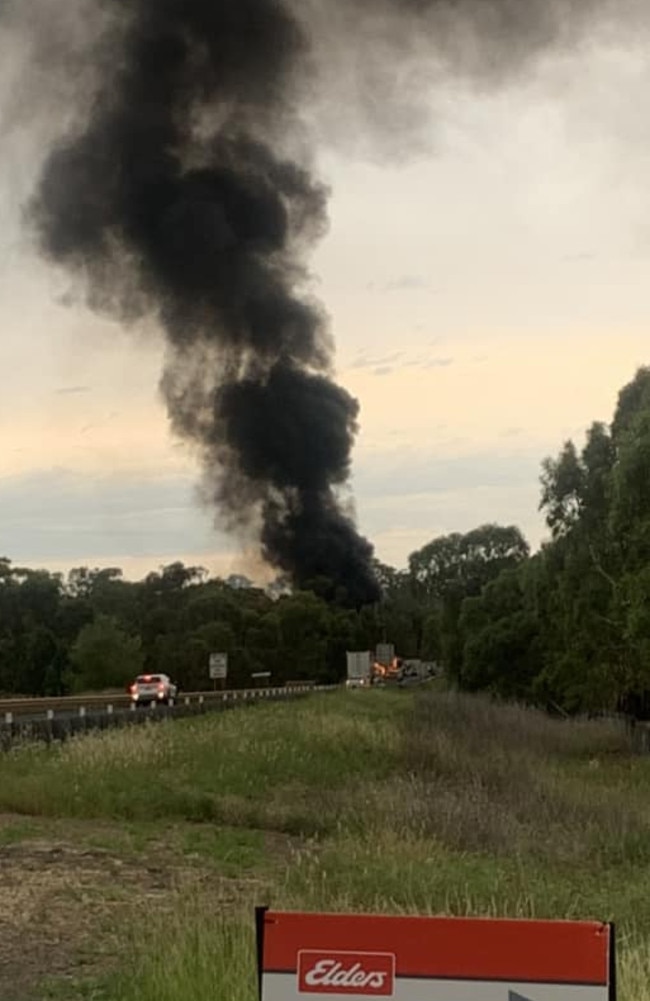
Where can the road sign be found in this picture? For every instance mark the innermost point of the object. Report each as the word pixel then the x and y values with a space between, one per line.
pixel 218 666
pixel 331 957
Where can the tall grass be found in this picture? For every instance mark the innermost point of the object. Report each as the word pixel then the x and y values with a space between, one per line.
pixel 276 767
pixel 512 781
pixel 426 804
pixel 196 954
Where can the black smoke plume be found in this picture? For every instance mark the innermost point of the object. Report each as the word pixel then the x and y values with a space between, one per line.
pixel 184 196
pixel 174 200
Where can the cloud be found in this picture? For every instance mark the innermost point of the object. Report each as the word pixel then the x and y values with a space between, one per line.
pixel 407 472
pixel 385 364
pixel 72 390
pixel 408 497
pixel 579 258
pixel 364 361
pixel 423 517
pixel 56 514
pixel 421 362
pixel 405 495
pixel 403 283
pixel 435 363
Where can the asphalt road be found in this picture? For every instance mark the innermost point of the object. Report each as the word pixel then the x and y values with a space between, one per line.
pixel 57 719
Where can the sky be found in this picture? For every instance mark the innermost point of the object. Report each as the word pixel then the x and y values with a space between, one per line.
pixel 487 287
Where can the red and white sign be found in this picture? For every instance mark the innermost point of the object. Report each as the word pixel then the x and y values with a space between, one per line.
pixel 304 957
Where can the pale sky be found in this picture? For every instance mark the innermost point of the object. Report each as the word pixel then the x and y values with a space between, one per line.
pixel 489 297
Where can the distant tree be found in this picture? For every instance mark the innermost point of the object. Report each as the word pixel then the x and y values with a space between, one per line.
pixel 499 632
pixel 105 656
pixel 562 490
pixel 174 577
pixel 454 567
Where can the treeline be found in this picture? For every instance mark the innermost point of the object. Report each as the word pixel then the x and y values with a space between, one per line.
pixel 571 625
pixel 567 627
pixel 94 630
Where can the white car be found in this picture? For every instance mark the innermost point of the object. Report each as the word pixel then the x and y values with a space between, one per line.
pixel 148 688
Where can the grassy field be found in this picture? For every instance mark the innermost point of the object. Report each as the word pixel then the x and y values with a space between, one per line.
pixel 157 842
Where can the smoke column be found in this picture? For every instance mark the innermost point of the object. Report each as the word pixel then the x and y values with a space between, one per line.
pixel 181 198
pixel 174 201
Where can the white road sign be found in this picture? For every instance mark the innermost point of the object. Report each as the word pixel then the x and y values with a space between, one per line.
pixel 218 666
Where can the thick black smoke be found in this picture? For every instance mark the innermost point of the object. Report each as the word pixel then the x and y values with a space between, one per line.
pixel 174 200
pixel 181 198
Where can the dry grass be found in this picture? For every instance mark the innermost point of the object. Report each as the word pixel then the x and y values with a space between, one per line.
pixel 508 780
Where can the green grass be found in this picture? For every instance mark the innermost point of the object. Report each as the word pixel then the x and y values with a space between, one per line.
pixel 16 832
pixel 209 957
pixel 386 801
pixel 264 767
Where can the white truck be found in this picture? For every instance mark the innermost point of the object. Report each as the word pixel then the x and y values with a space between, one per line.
pixel 359 668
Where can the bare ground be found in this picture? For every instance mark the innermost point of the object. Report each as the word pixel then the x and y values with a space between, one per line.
pixel 64 905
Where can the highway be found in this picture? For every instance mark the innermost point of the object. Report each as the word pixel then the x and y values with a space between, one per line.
pixel 58 718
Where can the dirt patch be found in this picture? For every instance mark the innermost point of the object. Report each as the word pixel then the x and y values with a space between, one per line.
pixel 63 908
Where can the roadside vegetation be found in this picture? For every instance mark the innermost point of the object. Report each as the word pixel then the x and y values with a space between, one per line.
pixel 379 801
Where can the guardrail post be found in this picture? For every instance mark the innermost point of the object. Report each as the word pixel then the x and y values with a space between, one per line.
pixel 9 718
pixel 171 703
pixel 109 709
pixel 187 700
pixel 82 711
pixel 133 707
pixel 50 714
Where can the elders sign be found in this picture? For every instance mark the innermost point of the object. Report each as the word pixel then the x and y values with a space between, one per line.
pixel 338 957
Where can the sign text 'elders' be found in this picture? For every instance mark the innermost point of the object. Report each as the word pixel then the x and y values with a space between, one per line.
pixel 341 956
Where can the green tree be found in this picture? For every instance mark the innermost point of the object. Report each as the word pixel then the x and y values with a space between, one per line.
pixel 500 632
pixel 105 656
pixel 454 567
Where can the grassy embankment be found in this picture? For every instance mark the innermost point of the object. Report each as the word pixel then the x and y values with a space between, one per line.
pixel 380 801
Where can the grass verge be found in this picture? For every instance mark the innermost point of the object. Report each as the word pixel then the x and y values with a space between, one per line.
pixel 381 801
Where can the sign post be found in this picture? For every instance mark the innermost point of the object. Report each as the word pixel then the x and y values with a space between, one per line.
pixel 219 668
pixel 332 957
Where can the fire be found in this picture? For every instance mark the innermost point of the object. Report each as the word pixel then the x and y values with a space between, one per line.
pixel 386 671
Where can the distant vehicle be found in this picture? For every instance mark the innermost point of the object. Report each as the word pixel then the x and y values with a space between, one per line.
pixel 358 668
pixel 357 683
pixel 149 688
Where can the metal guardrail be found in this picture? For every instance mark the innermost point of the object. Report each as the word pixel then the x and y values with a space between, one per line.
pixel 57 719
